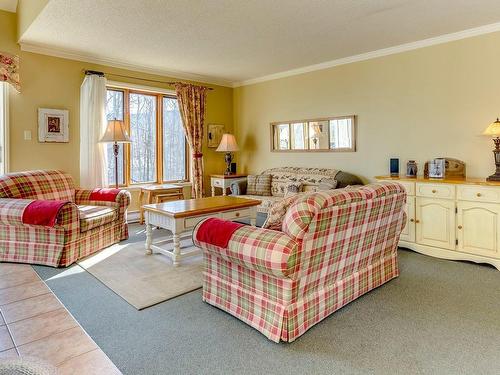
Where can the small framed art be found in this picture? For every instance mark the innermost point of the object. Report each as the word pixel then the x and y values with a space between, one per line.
pixel 437 168
pixel 53 125
pixel 214 135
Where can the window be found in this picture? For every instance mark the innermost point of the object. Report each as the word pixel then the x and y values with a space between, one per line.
pixel 158 149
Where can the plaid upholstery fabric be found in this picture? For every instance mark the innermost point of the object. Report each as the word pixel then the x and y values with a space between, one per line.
pixel 63 244
pixel 38 185
pixel 259 184
pixel 263 250
pixel 95 216
pixel 11 210
pixel 344 245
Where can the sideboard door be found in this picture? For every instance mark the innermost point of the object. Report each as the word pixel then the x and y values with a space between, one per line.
pixel 478 228
pixel 435 222
pixel 408 233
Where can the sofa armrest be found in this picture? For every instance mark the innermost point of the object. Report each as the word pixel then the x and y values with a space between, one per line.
pixel 122 200
pixel 263 250
pixel 239 187
pixel 11 210
pixel 11 213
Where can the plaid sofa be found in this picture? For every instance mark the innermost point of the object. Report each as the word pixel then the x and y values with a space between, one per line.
pixel 334 246
pixel 82 226
pixel 308 177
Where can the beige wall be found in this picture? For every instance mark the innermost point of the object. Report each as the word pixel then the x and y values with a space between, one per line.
pixel 418 105
pixel 55 83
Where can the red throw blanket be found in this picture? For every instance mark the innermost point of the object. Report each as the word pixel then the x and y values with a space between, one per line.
pixel 104 194
pixel 216 231
pixel 42 212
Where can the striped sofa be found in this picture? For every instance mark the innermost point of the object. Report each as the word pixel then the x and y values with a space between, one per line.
pixel 334 246
pixel 82 227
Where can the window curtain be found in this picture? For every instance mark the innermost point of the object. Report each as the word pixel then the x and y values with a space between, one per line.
pixel 192 100
pixel 9 70
pixel 93 123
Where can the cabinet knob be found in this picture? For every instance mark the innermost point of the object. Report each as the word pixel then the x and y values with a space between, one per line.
pixel 237 214
pixel 478 194
pixel 434 191
pixel 459 227
pixel 412 220
pixel 417 221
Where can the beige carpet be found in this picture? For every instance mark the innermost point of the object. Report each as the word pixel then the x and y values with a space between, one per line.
pixel 144 280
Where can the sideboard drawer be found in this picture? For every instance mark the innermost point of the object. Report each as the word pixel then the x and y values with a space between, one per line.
pixel 477 193
pixel 408 185
pixel 233 215
pixel 444 191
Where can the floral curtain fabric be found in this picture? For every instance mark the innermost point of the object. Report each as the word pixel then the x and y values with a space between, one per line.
pixel 192 100
pixel 9 69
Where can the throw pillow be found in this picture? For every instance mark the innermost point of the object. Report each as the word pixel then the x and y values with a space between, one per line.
pixel 280 189
pixel 293 188
pixel 259 184
pixel 277 212
pixel 327 184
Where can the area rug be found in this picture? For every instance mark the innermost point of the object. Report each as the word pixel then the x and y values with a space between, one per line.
pixel 144 280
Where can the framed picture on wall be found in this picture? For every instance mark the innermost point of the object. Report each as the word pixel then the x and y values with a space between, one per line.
pixel 214 135
pixel 53 125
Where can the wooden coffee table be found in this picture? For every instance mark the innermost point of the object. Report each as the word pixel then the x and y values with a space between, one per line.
pixel 183 215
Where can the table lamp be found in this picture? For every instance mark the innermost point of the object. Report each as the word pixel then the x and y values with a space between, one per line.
pixel 115 133
pixel 494 131
pixel 228 144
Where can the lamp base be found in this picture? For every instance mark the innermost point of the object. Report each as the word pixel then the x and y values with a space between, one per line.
pixel 228 159
pixel 494 177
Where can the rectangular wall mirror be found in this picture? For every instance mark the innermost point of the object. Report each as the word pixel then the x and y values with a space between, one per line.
pixel 335 134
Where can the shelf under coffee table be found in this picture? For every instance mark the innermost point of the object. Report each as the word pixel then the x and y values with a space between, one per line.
pixel 183 215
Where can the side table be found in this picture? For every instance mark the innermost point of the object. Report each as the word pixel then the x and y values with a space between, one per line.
pixel 158 194
pixel 223 181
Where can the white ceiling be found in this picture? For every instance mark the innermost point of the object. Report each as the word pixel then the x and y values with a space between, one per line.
pixel 232 41
pixel 8 5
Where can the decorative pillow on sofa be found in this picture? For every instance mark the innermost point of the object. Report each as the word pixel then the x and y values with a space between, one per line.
pixel 277 212
pixel 327 184
pixel 284 188
pixel 259 184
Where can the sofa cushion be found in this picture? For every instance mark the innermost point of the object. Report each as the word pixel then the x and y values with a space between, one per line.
pixel 95 216
pixel 259 185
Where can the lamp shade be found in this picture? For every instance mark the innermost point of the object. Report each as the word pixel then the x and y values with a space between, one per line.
pixel 115 132
pixel 494 129
pixel 228 144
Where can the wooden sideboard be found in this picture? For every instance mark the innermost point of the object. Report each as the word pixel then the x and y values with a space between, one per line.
pixel 452 218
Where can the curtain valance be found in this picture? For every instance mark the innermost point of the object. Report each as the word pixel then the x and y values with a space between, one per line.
pixel 9 69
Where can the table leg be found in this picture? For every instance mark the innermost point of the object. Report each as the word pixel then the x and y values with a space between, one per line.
pixel 141 210
pixel 177 249
pixel 149 238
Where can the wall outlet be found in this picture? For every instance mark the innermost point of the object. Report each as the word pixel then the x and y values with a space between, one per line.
pixel 27 135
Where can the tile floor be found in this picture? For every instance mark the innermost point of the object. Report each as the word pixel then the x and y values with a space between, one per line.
pixel 33 323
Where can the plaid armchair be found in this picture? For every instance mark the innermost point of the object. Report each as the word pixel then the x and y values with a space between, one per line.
pixel 82 227
pixel 334 246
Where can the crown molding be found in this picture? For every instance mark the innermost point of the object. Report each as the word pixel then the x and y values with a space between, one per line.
pixel 445 38
pixel 64 54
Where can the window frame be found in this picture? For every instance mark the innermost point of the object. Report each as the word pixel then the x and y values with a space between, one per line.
pixel 274 144
pixel 159 95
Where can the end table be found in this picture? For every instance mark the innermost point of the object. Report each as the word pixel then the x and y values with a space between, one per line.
pixel 223 181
